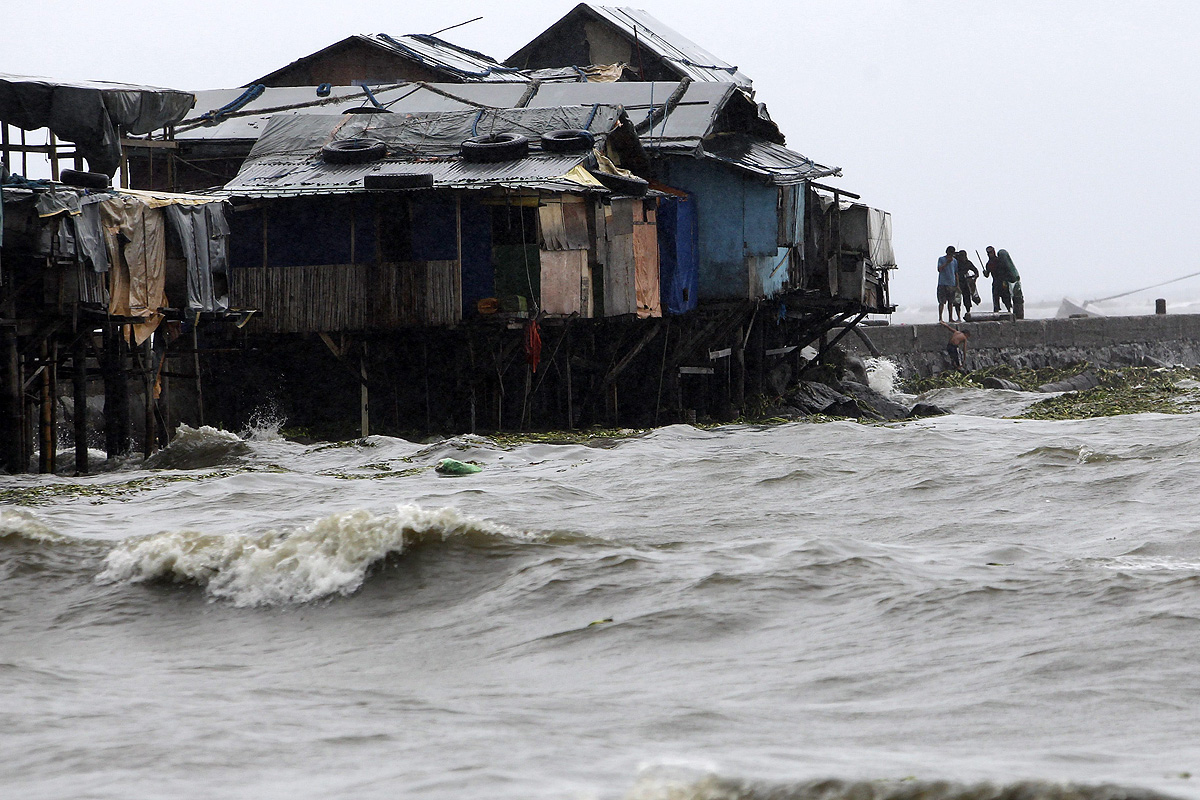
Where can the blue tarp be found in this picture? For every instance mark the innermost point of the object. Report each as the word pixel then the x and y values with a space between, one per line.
pixel 678 260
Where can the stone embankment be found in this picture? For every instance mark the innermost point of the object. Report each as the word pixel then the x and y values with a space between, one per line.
pixel 1157 340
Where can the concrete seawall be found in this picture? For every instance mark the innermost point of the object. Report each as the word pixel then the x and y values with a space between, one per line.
pixel 1034 343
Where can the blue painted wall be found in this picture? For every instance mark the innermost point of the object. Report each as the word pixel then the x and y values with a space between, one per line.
pixel 736 216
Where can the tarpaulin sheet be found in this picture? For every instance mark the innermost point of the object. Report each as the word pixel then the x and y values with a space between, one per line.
pixel 88 113
pixel 411 136
pixel 203 234
pixel 136 236
pixel 679 266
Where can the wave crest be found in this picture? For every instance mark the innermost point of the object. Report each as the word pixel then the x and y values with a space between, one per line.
pixel 23 525
pixel 198 448
pixel 329 556
pixel 658 786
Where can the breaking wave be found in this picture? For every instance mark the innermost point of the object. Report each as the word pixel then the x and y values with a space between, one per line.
pixel 330 556
pixel 199 448
pixel 655 785
pixel 23 525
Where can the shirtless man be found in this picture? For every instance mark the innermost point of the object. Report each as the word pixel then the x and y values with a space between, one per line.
pixel 957 348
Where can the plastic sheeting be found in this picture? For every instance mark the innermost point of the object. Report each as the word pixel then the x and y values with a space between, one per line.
pixel 203 234
pixel 411 136
pixel 89 113
pixel 678 263
pixel 136 236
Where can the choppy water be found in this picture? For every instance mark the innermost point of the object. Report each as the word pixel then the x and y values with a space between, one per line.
pixel 965 607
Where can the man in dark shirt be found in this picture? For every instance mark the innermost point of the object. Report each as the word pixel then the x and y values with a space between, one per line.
pixel 967 275
pixel 1004 275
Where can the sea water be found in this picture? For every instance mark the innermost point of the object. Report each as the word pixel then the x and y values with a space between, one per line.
pixel 964 607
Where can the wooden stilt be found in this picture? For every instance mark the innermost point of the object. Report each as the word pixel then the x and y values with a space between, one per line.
pixel 365 421
pixel 196 368
pixel 150 441
pixel 12 415
pixel 471 376
pixel 570 392
pixel 79 364
pixel 738 367
pixel 46 430
pixel 116 393
pixel 425 372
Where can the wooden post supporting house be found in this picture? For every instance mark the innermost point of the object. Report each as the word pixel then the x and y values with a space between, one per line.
pixel 79 379
pixel 116 393
pixel 46 432
pixel 364 407
pixel 11 411
pixel 149 444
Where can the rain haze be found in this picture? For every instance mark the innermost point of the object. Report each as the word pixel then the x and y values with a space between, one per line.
pixel 1062 132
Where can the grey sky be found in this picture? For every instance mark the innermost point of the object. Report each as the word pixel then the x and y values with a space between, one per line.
pixel 1063 131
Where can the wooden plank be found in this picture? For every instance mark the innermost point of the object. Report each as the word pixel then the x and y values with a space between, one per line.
pixel 645 258
pixel 563 274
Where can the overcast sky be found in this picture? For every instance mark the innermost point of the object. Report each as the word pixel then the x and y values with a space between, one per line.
pixel 1063 131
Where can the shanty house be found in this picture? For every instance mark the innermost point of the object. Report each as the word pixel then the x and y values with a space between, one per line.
pixel 419 232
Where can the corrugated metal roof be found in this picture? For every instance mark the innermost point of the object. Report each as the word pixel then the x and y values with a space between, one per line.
pixel 783 166
pixel 442 56
pixel 689 121
pixel 689 58
pixel 295 176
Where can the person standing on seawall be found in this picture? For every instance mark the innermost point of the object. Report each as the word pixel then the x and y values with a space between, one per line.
pixel 947 289
pixel 967 275
pixel 1006 282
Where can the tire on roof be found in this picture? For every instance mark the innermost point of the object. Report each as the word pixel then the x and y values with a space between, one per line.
pixel 353 151
pixel 495 147
pixel 568 140
pixel 619 184
pixel 84 180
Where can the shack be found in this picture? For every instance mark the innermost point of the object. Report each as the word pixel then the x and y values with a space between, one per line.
pixel 106 284
pixel 416 228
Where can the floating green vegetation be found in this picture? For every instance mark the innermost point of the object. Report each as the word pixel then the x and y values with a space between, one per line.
pixel 1136 390
pixel 101 492
pixel 587 436
pixel 378 474
pixel 356 443
pixel 1027 379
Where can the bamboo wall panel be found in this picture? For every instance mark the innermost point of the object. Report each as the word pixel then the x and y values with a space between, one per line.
pixel 349 297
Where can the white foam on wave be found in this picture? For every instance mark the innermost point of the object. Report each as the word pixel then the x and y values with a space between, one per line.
pixel 882 375
pixel 327 557
pixel 25 525
pixel 660 785
pixel 198 448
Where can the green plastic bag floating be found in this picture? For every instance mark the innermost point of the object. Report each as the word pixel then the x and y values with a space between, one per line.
pixel 449 466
